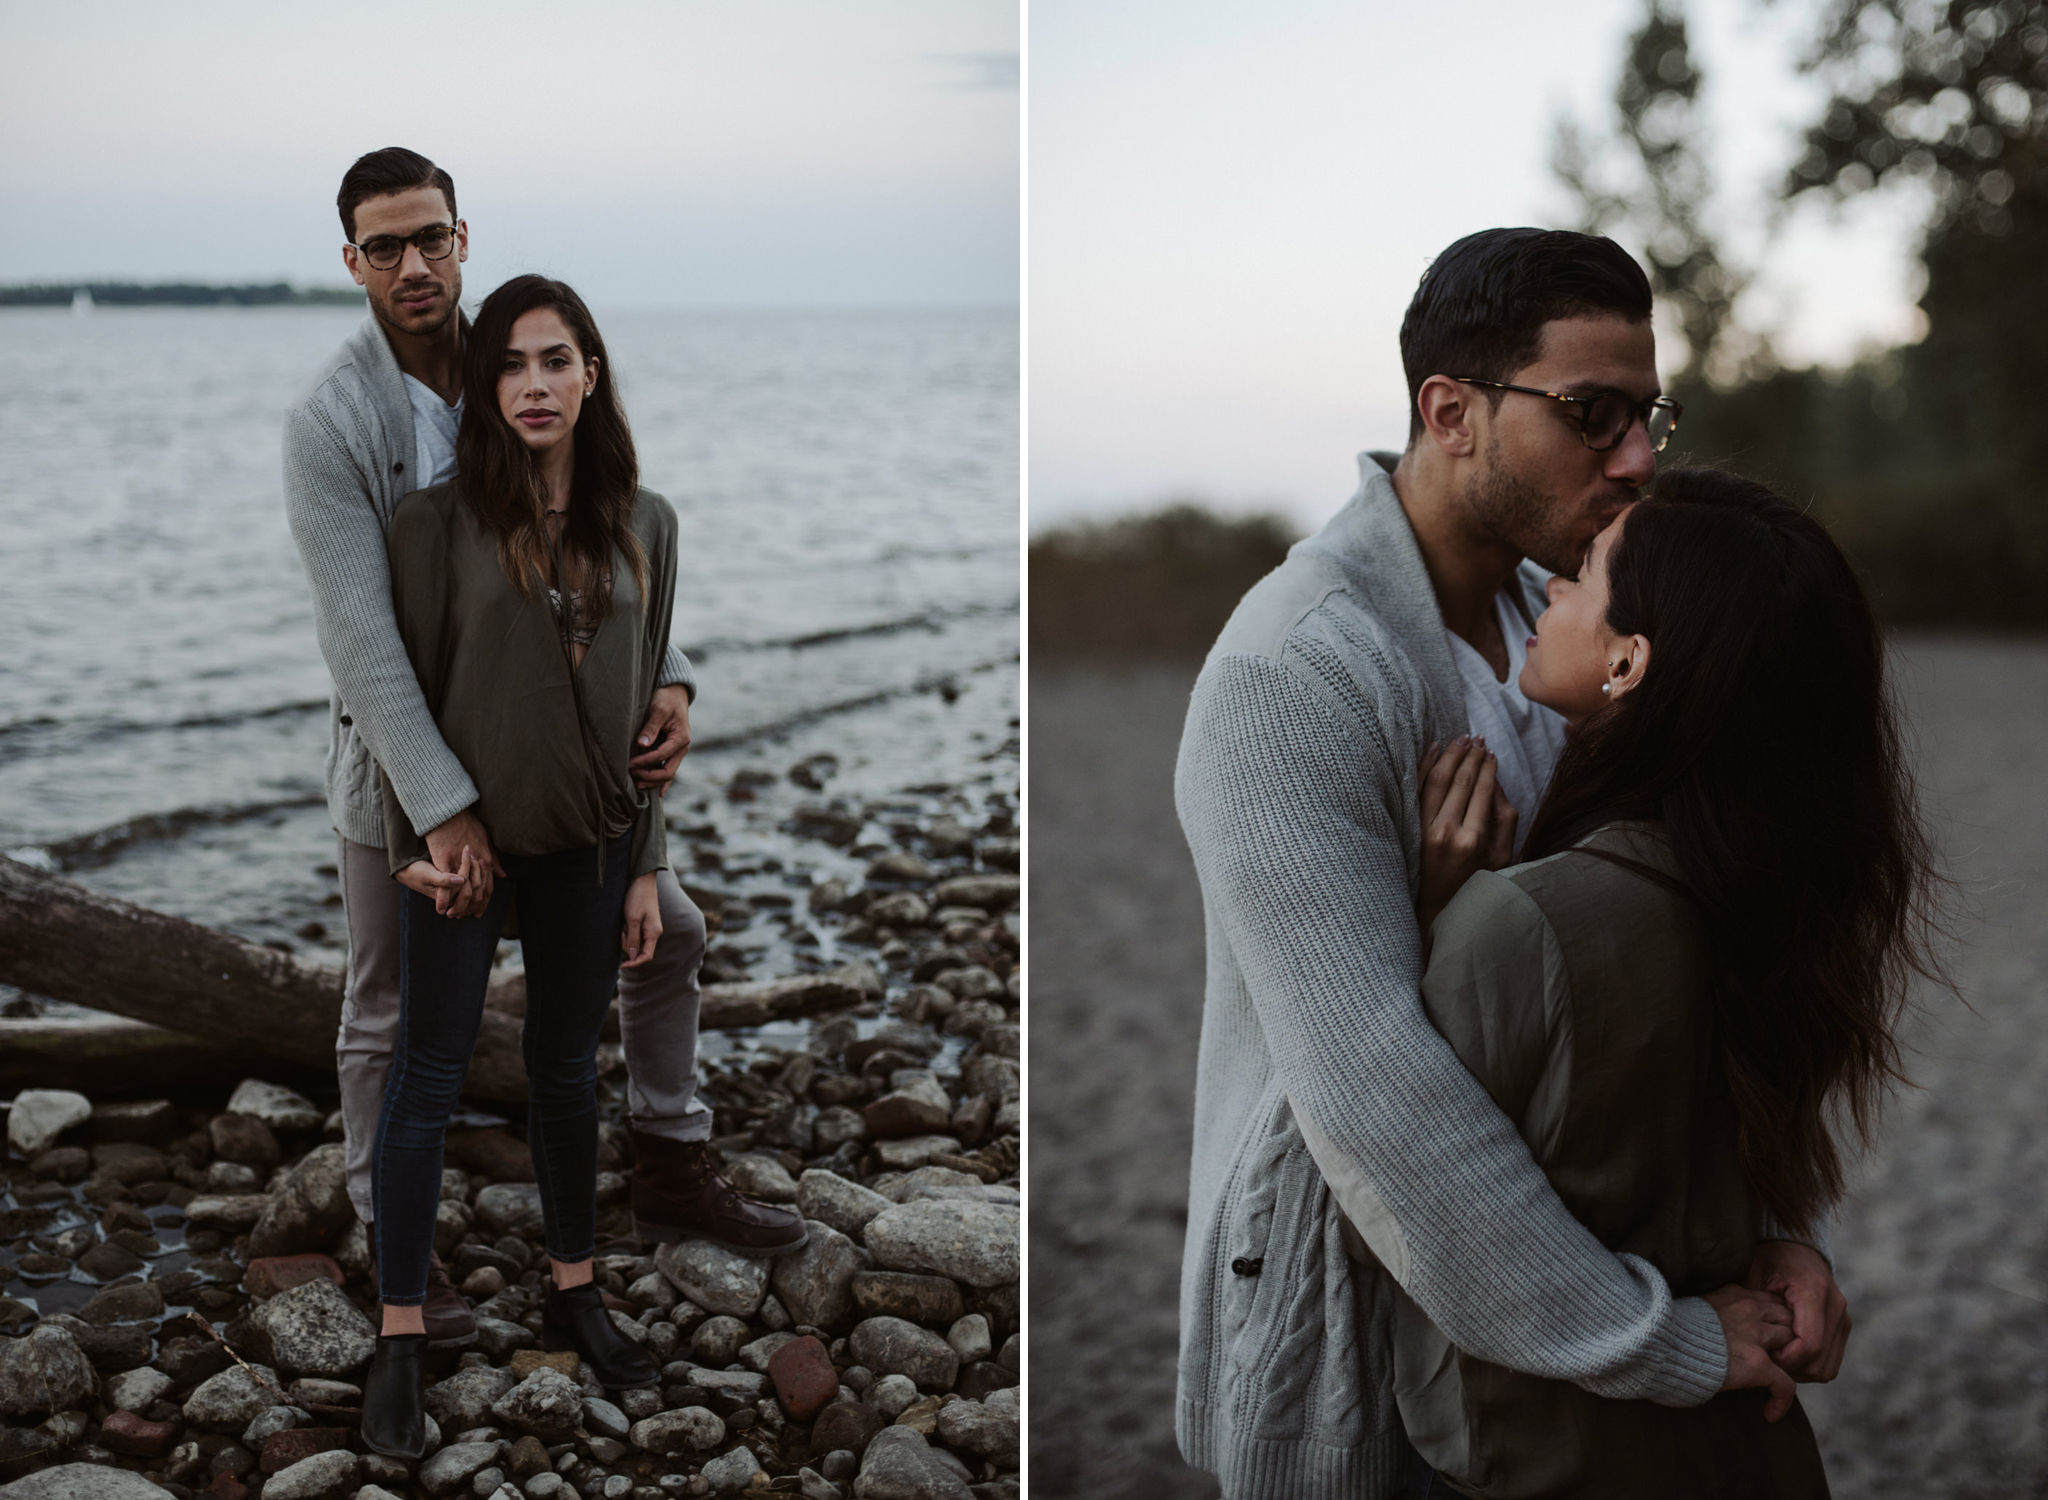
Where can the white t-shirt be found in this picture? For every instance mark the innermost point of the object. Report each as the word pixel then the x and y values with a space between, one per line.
pixel 1527 737
pixel 434 424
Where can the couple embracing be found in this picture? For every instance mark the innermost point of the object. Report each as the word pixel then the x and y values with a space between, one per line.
pixel 1562 880
pixel 493 590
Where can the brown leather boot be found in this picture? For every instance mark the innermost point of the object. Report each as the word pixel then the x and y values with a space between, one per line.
pixel 446 1315
pixel 678 1195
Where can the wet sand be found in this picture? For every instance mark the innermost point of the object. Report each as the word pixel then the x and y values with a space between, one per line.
pixel 1942 1248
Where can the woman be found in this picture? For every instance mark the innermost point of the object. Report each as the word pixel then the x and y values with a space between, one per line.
pixel 1703 960
pixel 534 596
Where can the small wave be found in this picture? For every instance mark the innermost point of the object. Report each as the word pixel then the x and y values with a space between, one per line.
pixel 44 735
pixel 935 683
pixel 932 619
pixel 90 849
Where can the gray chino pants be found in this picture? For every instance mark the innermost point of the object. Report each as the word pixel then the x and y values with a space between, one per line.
pixel 657 1015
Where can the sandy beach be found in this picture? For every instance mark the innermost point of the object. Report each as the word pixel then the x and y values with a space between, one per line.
pixel 1942 1247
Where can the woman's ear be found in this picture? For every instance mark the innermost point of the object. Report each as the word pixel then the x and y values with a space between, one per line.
pixel 589 376
pixel 1628 659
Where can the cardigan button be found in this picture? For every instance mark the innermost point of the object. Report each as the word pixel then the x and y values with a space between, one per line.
pixel 399 467
pixel 1244 1266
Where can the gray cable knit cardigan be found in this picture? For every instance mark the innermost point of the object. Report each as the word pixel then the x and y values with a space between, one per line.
pixel 348 452
pixel 1324 1092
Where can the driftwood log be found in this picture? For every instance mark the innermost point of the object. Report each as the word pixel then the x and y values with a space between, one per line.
pixel 59 939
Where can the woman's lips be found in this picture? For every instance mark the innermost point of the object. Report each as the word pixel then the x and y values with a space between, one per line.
pixel 536 418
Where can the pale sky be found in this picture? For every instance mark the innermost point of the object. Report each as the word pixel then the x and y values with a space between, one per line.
pixel 1231 205
pixel 652 152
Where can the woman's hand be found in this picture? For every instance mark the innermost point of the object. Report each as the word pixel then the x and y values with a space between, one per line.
pixel 452 891
pixel 1755 1324
pixel 1468 823
pixel 643 921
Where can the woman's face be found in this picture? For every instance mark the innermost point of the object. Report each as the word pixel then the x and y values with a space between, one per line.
pixel 542 383
pixel 1574 655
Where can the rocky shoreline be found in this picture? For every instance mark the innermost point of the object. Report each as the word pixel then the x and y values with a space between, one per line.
pixel 186 1304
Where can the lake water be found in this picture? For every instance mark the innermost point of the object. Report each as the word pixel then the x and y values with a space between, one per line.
pixel 847 484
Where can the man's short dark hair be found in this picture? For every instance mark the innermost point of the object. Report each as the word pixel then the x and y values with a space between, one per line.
pixel 1482 304
pixel 381 173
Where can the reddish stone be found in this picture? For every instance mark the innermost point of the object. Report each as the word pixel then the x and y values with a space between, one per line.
pixel 272 1274
pixel 125 1216
pixel 226 1487
pixel 495 1153
pixel 283 1449
pixel 138 1437
pixel 804 1377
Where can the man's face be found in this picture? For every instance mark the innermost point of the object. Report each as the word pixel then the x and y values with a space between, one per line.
pixel 416 296
pixel 1535 486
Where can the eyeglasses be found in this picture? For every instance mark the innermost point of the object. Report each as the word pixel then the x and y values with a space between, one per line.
pixel 384 251
pixel 1604 420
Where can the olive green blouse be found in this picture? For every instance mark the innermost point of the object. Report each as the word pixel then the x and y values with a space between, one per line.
pixel 1576 990
pixel 547 746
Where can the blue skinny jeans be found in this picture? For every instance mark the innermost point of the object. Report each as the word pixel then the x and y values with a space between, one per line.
pixel 569 925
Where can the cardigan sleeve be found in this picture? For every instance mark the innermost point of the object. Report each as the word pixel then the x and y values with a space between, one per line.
pixel 419 609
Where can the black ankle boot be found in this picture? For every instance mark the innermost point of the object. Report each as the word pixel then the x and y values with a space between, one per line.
pixel 394 1416
pixel 577 1319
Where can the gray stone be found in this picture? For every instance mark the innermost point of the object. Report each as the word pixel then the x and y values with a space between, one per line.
pixel 815 1283
pixel 971 1339
pixel 989 892
pixel 455 1465
pixel 319 1476
pixel 983 1430
pixel 232 1177
pixel 738 1385
pixel 135 1390
pixel 976 1243
pixel 377 1469
pixel 244 1138
pixel 901 1294
pixel 892 1394
pixel 755 1356
pixel 124 1346
pixel 815 1486
pixel 900 1465
pixel 894 1346
pixel 971 983
pixel 774 1315
pixel 499 1339
pixel 714 1277
pixel 651 1290
pixel 124 1304
pixel 375 1491
pixel 547 1404
pixel 918 1106
pixel 485 1482
pixel 464 1399
pixel 603 1418
pixel 44 1372
pixel 618 1487
pixel 310 1207
pixel 686 1429
pixel 264 1423
pixel 914 1151
pixel 835 1126
pixel 608 1450
pixel 229 1401
pixel 996 1079
pixel 730 1473
pixel 545 1486
pixel 315 1330
pixel 640 1404
pixel 39 1116
pixel 762 1177
pixel 82 1482
pixel 830 1199
pixel 231 1213
pixel 276 1106
pixel 717 1340
pixel 923 1179
pixel 509 1208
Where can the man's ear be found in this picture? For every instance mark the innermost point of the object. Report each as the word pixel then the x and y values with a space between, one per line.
pixel 348 259
pixel 1446 410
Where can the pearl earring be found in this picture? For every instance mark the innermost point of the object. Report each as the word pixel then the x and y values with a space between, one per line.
pixel 1607 687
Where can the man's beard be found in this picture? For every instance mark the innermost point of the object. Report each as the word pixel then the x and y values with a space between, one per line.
pixel 1520 515
pixel 389 315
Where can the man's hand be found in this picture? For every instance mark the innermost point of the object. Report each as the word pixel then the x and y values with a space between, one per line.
pixel 663 740
pixel 643 921
pixel 1468 824
pixel 468 893
pixel 1756 1325
pixel 1820 1313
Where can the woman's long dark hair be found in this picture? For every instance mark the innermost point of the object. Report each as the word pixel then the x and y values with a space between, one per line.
pixel 1764 737
pixel 501 480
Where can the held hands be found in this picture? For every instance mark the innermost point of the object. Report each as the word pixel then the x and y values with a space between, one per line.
pixel 1799 1274
pixel 1468 824
pixel 1756 1326
pixel 663 740
pixel 460 868
pixel 643 922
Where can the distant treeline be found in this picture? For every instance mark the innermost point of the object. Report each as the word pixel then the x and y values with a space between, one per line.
pixel 178 294
pixel 1155 585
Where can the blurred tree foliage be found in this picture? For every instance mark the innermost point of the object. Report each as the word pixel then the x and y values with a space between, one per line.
pixel 1158 584
pixel 1926 461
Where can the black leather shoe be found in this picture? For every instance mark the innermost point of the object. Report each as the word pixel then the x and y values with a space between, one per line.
pixel 577 1319
pixel 394 1413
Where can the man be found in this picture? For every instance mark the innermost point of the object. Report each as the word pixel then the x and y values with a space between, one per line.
pixel 1338 1142
pixel 378 421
